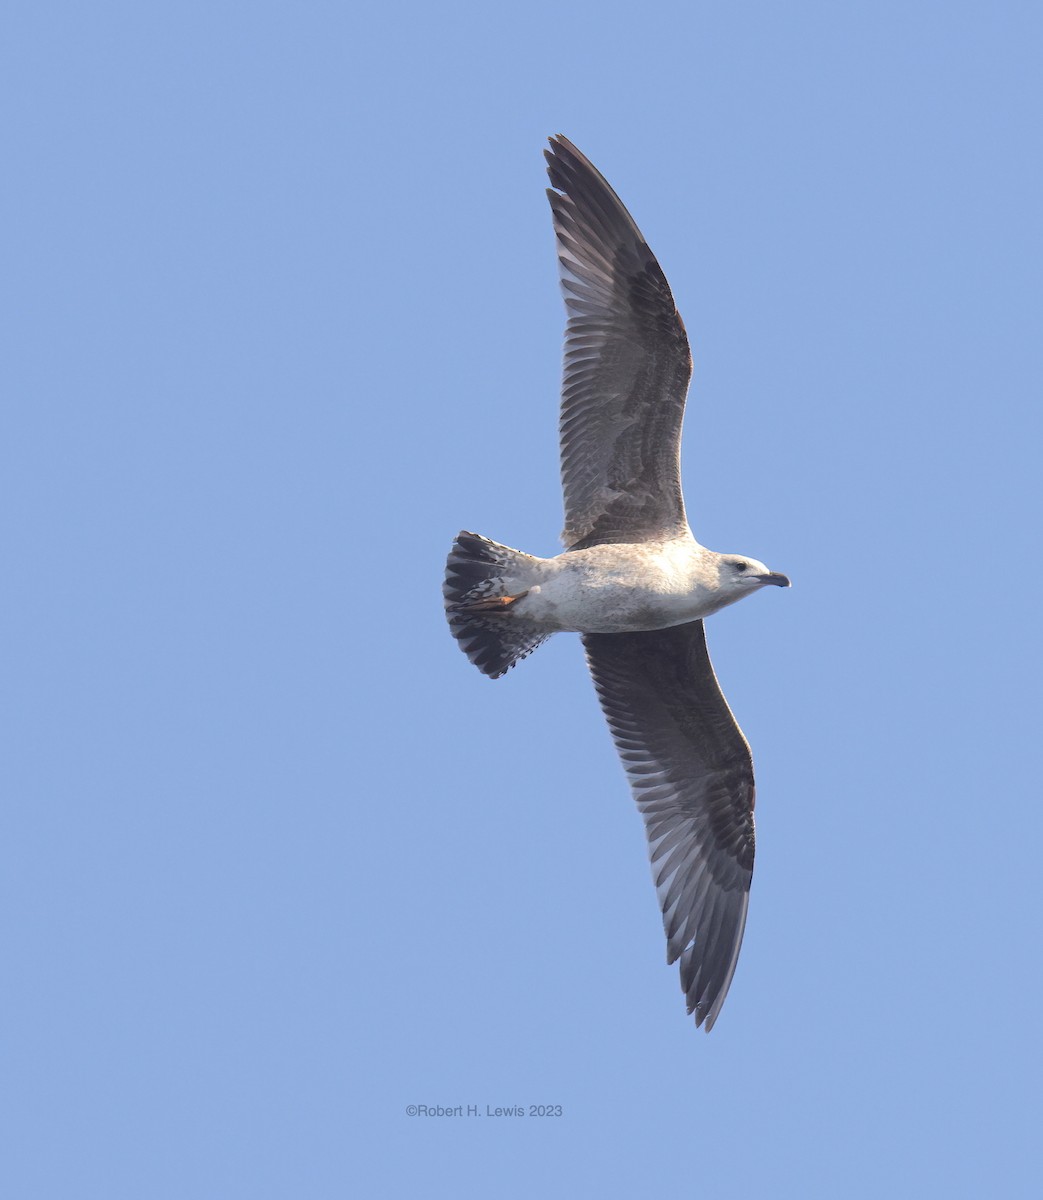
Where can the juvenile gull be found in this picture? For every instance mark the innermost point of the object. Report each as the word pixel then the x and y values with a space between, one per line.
pixel 633 580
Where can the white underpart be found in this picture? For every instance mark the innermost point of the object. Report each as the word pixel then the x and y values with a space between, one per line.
pixel 628 588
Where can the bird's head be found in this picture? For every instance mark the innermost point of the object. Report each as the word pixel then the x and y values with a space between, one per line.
pixel 739 574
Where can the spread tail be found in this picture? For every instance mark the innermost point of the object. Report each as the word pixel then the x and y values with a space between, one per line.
pixel 483 582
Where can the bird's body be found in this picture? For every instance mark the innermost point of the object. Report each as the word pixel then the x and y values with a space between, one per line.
pixel 621 588
pixel 633 580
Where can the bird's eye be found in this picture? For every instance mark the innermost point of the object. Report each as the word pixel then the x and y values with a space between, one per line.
pixel 740 566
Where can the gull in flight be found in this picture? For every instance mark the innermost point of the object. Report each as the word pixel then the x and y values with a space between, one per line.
pixel 633 581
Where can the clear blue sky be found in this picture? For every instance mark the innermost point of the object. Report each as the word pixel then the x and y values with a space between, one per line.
pixel 281 316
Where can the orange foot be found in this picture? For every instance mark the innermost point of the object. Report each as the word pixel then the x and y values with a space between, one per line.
pixel 493 603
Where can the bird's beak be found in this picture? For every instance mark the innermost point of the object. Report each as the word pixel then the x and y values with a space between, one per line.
pixel 778 580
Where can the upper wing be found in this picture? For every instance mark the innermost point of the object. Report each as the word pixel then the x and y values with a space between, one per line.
pixel 692 777
pixel 627 366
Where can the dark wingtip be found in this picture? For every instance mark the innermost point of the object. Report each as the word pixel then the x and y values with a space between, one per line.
pixel 562 157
